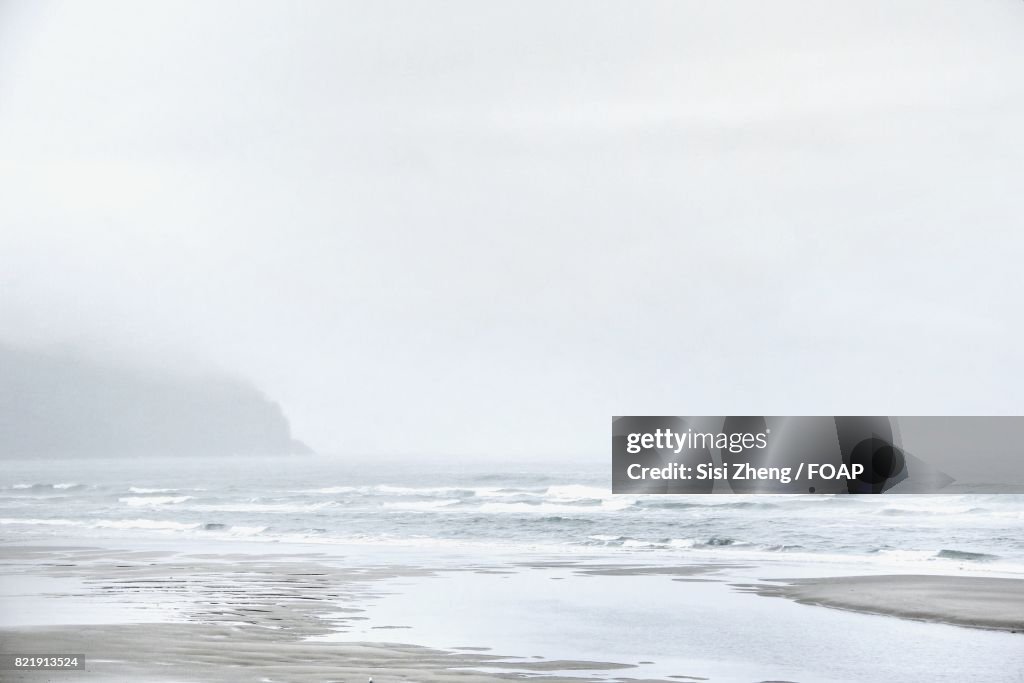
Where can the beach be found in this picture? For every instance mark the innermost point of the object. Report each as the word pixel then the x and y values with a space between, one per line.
pixel 978 602
pixel 165 615
pixel 228 618
pixel 319 570
pixel 344 342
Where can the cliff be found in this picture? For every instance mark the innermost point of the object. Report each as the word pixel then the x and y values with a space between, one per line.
pixel 59 404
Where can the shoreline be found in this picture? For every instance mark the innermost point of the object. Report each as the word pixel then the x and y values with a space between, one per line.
pixel 232 654
pixel 149 615
pixel 989 603
pixel 221 618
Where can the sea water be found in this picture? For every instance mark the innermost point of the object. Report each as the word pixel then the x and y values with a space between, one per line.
pixel 464 518
pixel 522 506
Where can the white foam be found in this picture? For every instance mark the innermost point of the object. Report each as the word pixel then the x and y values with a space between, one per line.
pixel 557 508
pixel 288 508
pixel 505 492
pixel 571 492
pixel 417 490
pixel 331 489
pixel 42 522
pixel 151 524
pixel 145 501
pixel 59 487
pixel 422 505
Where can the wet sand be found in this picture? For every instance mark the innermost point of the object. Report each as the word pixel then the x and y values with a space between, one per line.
pixel 227 618
pixel 978 602
pixel 233 653
pixel 239 618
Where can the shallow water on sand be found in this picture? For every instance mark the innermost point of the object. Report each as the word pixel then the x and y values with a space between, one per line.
pixel 498 542
pixel 697 627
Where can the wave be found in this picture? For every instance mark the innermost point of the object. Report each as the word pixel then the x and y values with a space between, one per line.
pixel 139 489
pixel 63 486
pixel 609 540
pixel 670 504
pixel 500 492
pixel 144 524
pixel 720 541
pixel 233 530
pixel 149 524
pixel 286 508
pixel 555 508
pixel 422 505
pixel 785 548
pixel 929 510
pixel 425 491
pixel 634 543
pixel 332 489
pixel 577 492
pixel 145 501
pixel 419 490
pixel 649 504
pixel 745 505
pixel 42 522
pixel 964 555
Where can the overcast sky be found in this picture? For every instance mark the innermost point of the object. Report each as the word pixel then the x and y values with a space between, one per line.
pixel 484 228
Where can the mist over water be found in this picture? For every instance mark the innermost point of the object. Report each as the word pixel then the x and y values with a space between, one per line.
pixel 536 506
pixel 444 242
pixel 528 216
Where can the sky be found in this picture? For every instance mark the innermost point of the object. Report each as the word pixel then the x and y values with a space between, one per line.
pixel 485 228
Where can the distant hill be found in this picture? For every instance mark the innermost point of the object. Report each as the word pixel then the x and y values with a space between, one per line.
pixel 57 404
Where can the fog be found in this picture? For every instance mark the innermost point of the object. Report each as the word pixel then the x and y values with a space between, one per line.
pixel 485 228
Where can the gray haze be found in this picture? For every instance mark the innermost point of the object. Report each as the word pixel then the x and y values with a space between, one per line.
pixel 484 228
pixel 63 405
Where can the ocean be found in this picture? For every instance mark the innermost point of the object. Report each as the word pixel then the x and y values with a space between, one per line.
pixel 538 507
pixel 534 561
